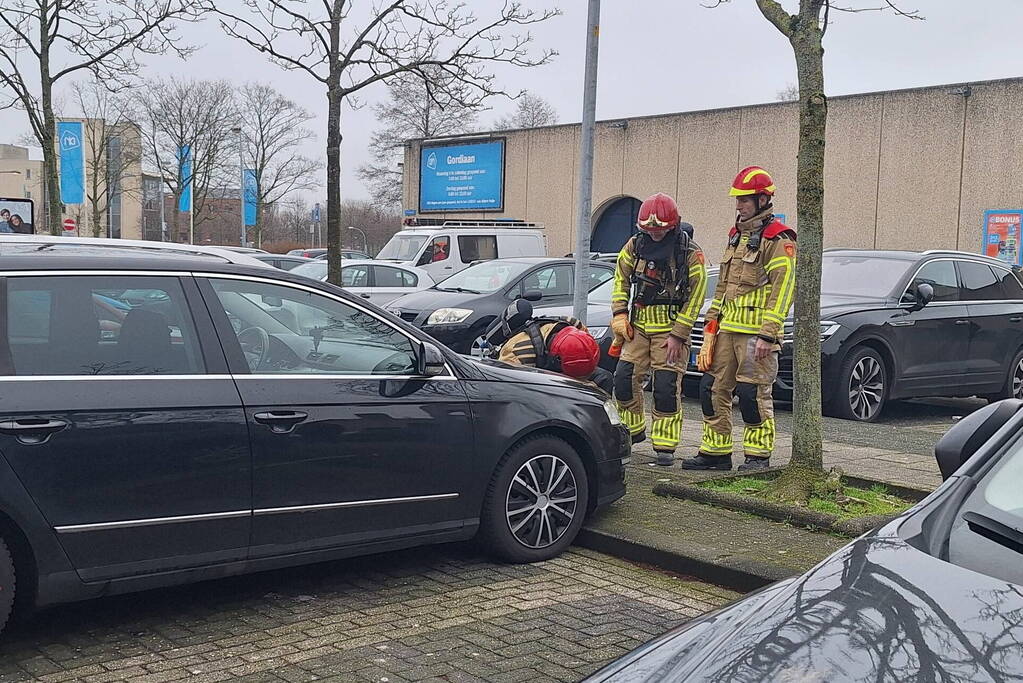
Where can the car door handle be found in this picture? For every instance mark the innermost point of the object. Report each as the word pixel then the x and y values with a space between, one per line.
pixel 962 322
pixel 1015 319
pixel 364 296
pixel 31 431
pixel 281 421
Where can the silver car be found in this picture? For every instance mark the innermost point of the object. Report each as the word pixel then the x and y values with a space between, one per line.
pixel 381 283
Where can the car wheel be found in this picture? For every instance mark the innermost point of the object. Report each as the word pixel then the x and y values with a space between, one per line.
pixel 536 501
pixel 863 386
pixel 7 584
pixel 1013 387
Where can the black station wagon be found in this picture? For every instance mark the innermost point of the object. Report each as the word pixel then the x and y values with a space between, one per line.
pixel 167 419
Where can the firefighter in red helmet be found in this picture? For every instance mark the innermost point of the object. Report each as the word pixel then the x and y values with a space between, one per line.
pixel 560 345
pixel 659 287
pixel 743 328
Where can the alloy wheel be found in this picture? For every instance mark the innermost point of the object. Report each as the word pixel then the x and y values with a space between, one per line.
pixel 542 501
pixel 866 388
pixel 1017 380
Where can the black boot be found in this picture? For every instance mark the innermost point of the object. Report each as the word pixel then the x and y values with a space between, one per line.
pixel 707 462
pixel 754 464
pixel 639 438
pixel 665 458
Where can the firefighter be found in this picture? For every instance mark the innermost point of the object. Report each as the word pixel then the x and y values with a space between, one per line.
pixel 561 345
pixel 660 283
pixel 743 328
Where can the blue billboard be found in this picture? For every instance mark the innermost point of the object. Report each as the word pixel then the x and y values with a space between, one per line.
pixel 72 162
pixel 251 195
pixel 462 177
pixel 185 173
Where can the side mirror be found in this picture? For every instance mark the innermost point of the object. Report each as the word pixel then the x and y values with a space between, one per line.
pixel 924 296
pixel 532 295
pixel 429 361
pixel 968 435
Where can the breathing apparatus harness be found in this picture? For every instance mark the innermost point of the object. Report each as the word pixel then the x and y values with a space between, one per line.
pixel 659 278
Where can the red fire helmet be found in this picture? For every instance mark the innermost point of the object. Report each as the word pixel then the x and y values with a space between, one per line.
pixel 752 180
pixel 658 213
pixel 577 350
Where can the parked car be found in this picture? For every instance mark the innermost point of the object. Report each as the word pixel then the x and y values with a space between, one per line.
pixel 307 253
pixel 243 250
pixel 455 245
pixel 348 254
pixel 87 246
pixel 283 261
pixel 237 419
pixel 935 595
pixel 461 308
pixel 381 283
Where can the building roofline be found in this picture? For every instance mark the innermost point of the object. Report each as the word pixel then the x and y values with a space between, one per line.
pixel 716 110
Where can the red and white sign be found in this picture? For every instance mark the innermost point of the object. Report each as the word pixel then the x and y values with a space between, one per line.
pixel 70 225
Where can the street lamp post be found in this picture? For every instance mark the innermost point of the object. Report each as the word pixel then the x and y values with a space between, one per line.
pixel 241 178
pixel 365 242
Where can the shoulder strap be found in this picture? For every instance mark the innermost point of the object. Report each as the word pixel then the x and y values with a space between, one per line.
pixel 777 229
pixel 543 360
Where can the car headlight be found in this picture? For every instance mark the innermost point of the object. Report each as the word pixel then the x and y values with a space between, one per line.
pixel 612 412
pixel 448 316
pixel 597 332
pixel 828 328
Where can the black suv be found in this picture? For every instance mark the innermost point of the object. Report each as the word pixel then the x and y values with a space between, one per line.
pixel 173 419
pixel 902 324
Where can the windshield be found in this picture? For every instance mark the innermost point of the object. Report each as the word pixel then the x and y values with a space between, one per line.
pixel 403 247
pixel 316 271
pixel 847 275
pixel 601 294
pixel 485 277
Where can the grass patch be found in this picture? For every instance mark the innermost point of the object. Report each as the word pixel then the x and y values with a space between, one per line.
pixel 848 503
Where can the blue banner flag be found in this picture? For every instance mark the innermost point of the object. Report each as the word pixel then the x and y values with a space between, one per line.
pixel 251 194
pixel 185 165
pixel 72 162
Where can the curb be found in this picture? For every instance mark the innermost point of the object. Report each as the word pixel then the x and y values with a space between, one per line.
pixel 691 559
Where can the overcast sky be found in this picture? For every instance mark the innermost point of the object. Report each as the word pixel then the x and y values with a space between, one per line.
pixel 659 56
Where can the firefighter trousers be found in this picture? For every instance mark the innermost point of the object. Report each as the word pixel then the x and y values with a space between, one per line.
pixel 735 370
pixel 642 355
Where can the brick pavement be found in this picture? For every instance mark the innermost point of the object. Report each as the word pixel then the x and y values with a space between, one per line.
pixel 440 614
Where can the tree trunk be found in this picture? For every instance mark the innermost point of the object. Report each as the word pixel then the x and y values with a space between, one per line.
pixel 334 184
pixel 258 227
pixel 807 464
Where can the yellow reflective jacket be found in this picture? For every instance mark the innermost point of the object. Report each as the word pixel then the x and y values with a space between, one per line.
pixel 756 286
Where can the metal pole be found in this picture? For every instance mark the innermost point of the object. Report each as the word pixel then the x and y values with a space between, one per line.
pixel 163 219
pixel 241 175
pixel 365 242
pixel 582 225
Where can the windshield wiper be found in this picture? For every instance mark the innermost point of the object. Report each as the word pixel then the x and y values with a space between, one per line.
pixel 463 290
pixel 992 529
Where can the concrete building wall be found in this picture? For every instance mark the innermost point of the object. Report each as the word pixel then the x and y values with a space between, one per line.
pixel 912 169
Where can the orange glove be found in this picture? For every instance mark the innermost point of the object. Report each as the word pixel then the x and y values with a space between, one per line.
pixel 705 358
pixel 621 326
pixel 615 350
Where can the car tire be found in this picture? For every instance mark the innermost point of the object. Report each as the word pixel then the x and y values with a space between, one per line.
pixel 862 386
pixel 517 523
pixel 7 584
pixel 1013 387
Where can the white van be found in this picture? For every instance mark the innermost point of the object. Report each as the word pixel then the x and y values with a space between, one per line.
pixel 444 249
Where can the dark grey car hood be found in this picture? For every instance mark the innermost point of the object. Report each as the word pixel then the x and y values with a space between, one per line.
pixel 877 610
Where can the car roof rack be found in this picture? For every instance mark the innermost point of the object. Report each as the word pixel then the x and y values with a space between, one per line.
pixel 143 247
pixel 439 223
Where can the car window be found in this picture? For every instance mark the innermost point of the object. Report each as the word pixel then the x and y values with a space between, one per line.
pixel 551 281
pixel 385 276
pixel 284 330
pixel 979 282
pixel 485 277
pixel 595 276
pixel 941 275
pixel 439 250
pixel 355 276
pixel 317 270
pixel 477 247
pixel 100 325
pixel 1011 288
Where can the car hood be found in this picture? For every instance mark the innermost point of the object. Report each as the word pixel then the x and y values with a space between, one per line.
pixel 432 299
pixel 876 610
pixel 833 305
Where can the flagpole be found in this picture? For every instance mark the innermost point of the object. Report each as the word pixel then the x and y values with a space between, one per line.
pixel 191 209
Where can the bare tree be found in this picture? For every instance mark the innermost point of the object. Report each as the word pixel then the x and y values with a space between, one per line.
pixel 790 93
pixel 42 42
pixel 415 108
pixel 805 32
pixel 198 114
pixel 347 47
pixel 378 222
pixel 531 111
pixel 113 152
pixel 273 129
